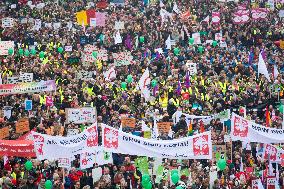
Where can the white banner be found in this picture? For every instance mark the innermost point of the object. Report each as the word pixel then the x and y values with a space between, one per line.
pixel 54 147
pixel 248 131
pixel 195 147
pixel 81 115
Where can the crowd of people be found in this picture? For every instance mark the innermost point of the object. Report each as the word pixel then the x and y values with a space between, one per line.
pixel 226 78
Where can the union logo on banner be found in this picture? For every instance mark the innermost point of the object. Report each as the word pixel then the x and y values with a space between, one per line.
pixel 200 145
pixel 271 182
pixel 270 152
pixel 240 127
pixel 110 138
pixel 254 183
pixel 92 139
pixel 38 142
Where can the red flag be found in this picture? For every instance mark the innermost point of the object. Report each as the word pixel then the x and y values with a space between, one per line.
pixel 267 117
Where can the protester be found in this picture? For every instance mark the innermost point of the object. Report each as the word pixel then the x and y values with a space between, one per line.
pixel 185 76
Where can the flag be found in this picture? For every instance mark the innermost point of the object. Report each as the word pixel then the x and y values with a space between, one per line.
pixel 154 131
pixel 267 117
pixel 110 74
pixel 259 184
pixel 251 57
pixel 176 9
pixel 128 42
pixel 262 67
pixel 178 90
pixel 81 17
pixel 185 15
pixel 190 130
pixel 202 129
pixel 144 82
pixel 205 19
pixel 187 80
pixel 275 71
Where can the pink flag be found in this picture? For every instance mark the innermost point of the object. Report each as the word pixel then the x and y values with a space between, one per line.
pixel 216 18
pixel 48 101
pixel 241 17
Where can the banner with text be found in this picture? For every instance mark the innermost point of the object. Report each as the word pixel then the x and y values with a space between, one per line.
pixel 195 147
pixel 246 130
pixel 18 148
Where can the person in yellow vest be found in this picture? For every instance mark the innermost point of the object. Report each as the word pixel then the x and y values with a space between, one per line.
pixel 163 101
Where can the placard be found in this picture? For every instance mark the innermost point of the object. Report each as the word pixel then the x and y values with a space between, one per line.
pixel 5 46
pixel 22 125
pixel 26 77
pixel 49 101
pixel 64 162
pixel 164 126
pixel 7 111
pixel 93 22
pixel 4 132
pixel 13 80
pixel 28 105
pixel 86 75
pixel 68 48
pixel 7 22
pixel 101 19
pixel 122 58
pixel 81 115
pixel 71 132
pixel 128 122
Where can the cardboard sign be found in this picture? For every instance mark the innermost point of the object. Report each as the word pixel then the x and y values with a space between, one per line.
pixel 22 125
pixel 100 19
pixel 86 75
pixel 192 68
pixel 4 132
pixel 128 122
pixel 196 37
pixel 164 126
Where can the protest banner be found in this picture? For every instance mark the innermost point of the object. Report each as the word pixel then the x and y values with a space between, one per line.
pixel 259 13
pixel 64 162
pixel 88 54
pixel 22 125
pixel 241 16
pixel 128 122
pixel 81 115
pixel 4 132
pixel 86 75
pixel 18 148
pixel 246 130
pixel 164 126
pixel 122 58
pixel 32 87
pixel 195 147
pixel 5 46
pixel 54 147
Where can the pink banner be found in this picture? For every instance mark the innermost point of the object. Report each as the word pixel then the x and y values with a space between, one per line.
pixel 216 18
pixel 241 17
pixel 259 13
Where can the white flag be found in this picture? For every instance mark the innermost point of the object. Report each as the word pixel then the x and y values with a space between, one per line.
pixel 117 38
pixel 143 84
pixel 176 9
pixel 262 67
pixel 168 43
pixel 275 71
pixel 110 74
pixel 206 19
pixel 155 132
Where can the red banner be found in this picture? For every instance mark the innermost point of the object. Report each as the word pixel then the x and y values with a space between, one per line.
pixel 19 148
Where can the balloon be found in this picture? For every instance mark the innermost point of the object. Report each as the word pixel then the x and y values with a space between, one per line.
pixel 214 43
pixel 175 178
pixel 148 185
pixel 200 49
pixel 21 52
pixel 176 51
pixel 179 187
pixel 146 178
pixel 221 164
pixel 280 108
pixel 60 49
pixel 141 39
pixel 175 171
pixel 95 54
pixel 48 184
pixel 10 51
pixel 27 52
pixel 41 54
pixel 33 51
pixel 231 165
pixel 28 165
pixel 123 85
pixel 185 96
pixel 129 79
pixel 217 155
pixel 154 83
pixel 191 41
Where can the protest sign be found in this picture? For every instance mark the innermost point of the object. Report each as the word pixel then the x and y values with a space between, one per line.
pixel 259 13
pixel 54 147
pixel 86 75
pixel 93 22
pixel 32 87
pixel 246 130
pixel 195 147
pixel 7 22
pixel 26 77
pixel 13 80
pixel 22 125
pixel 49 101
pixel 64 162
pixel 68 48
pixel 88 54
pixel 87 160
pixel 216 17
pixel 218 36
pixel 81 115
pixel 5 46
pixel 97 173
pixel 103 158
pixel 4 132
pixel 191 67
pixel 119 25
pixel 196 37
pixel 241 17
pixel 7 111
pixel 28 105
pixel 122 58
pixel 164 126
pixel 18 148
pixel 128 122
pixel 281 13
pixel 100 19
pixel 71 132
